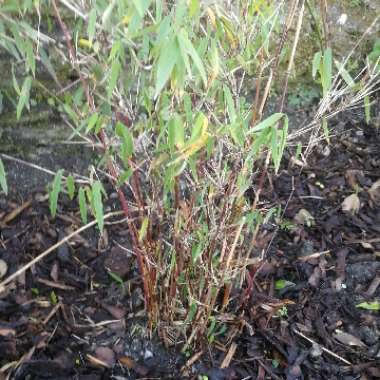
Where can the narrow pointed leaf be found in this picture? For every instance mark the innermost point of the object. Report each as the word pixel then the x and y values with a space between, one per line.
pixel 115 70
pixel 54 193
pixel 268 122
pixel 326 72
pixel 230 104
pixel 98 204
pixel 141 6
pixel 24 96
pixel 3 178
pixel 82 205
pixel 169 55
pixel 91 24
pixel 185 41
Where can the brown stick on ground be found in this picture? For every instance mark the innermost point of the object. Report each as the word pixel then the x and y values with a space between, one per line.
pixel 51 249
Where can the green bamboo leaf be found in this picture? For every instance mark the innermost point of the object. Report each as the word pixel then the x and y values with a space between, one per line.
pixel 192 312
pixel 194 7
pixel 163 32
pixel 185 57
pixel 345 74
pixel 124 177
pixel 369 305
pixel 196 251
pixel 92 121
pixel 70 185
pixel 126 141
pixel 24 96
pixel 237 133
pixel 115 70
pixel 268 122
pixel 281 284
pixel 19 42
pixel 3 178
pixel 143 229
pixel 230 103
pixel 185 43
pixel 15 83
pixel 158 9
pixel 274 147
pixel 47 63
pixel 259 142
pixel 181 9
pixel 116 278
pixel 326 72
pixel 53 298
pixel 54 193
pixel 171 134
pixel 30 58
pixel 91 26
pixel 98 203
pixel 279 144
pixel 107 14
pixel 115 50
pixel 198 129
pixel 176 133
pixel 71 113
pixel 82 205
pixel 187 105
pixel 169 55
pixel 141 6
pixel 100 123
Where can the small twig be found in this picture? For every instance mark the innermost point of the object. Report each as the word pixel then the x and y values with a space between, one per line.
pixel 52 312
pixel 53 284
pixel 193 359
pixel 51 249
pixel 82 179
pixel 230 354
pixel 14 213
pixel 313 256
pixel 333 354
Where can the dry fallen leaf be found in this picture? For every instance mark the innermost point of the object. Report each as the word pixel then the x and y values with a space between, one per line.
pixel 351 177
pixel 7 332
pixel 374 191
pixel 130 363
pixel 351 204
pixel 304 217
pixel 3 268
pixel 348 339
pixel 96 362
pixel 104 357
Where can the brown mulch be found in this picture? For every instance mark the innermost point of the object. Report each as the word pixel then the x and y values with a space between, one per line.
pixel 313 328
pixel 78 314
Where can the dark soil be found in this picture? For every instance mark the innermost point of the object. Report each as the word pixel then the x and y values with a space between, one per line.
pixel 314 329
pixel 79 313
